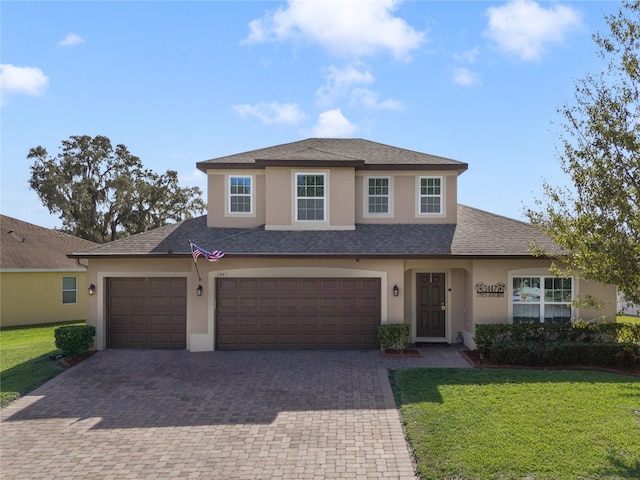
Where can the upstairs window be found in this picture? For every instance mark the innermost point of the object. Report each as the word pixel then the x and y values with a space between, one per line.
pixel 378 195
pixel 69 290
pixel 539 299
pixel 240 194
pixel 310 197
pixel 430 196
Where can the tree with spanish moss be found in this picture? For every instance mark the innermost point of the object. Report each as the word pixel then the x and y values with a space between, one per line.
pixel 102 194
pixel 596 221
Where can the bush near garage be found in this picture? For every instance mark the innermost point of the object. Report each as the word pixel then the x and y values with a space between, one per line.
pixel 394 336
pixel 74 339
pixel 578 343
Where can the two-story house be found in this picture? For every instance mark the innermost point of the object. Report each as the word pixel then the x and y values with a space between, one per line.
pixel 326 239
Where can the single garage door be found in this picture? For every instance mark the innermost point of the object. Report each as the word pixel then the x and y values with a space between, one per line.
pixel 260 313
pixel 147 312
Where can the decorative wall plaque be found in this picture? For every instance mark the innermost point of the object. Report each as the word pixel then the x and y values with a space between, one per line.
pixel 495 290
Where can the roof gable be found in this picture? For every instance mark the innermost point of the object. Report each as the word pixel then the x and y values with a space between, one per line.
pixel 25 246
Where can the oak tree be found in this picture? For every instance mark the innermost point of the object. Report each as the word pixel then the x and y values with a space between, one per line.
pixel 102 193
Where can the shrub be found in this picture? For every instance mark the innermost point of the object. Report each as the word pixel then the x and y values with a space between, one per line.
pixel 74 339
pixel 394 336
pixel 515 353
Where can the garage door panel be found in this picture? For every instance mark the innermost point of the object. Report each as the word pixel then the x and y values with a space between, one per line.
pixel 298 313
pixel 146 312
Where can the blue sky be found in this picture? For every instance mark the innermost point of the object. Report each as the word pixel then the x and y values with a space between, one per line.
pixel 181 82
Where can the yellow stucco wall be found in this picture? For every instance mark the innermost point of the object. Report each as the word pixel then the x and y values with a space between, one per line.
pixel 29 298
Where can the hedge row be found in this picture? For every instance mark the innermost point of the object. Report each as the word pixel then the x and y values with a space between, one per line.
pixel 586 343
pixel 582 332
pixel 626 355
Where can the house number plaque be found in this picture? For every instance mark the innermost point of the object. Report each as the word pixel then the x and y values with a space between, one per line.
pixel 486 290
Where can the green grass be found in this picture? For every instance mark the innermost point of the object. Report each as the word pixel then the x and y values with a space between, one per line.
pixel 521 424
pixel 24 359
pixel 627 319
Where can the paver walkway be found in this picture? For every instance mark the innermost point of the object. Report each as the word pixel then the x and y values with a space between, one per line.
pixel 226 415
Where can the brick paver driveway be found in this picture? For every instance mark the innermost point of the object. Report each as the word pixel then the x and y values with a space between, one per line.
pixel 173 414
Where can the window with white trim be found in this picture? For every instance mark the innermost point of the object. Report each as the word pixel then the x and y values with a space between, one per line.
pixel 541 299
pixel 430 195
pixel 69 290
pixel 378 195
pixel 310 197
pixel 240 194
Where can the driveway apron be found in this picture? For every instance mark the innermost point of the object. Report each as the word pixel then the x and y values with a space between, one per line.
pixel 227 415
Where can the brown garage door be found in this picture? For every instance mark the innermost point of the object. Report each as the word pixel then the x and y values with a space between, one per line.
pixel 146 312
pixel 297 312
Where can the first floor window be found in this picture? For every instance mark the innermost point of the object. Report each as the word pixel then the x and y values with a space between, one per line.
pixel 310 197
pixel 540 299
pixel 430 197
pixel 240 194
pixel 69 290
pixel 378 195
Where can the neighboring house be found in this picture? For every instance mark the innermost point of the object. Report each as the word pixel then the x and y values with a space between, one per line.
pixel 326 239
pixel 38 282
pixel 627 308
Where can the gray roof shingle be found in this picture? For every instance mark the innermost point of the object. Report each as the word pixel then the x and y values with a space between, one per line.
pixel 321 151
pixel 477 234
pixel 24 246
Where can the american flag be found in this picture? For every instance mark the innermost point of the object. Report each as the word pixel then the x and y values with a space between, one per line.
pixel 213 256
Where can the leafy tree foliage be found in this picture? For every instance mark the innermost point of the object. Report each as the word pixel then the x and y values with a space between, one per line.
pixel 597 220
pixel 102 193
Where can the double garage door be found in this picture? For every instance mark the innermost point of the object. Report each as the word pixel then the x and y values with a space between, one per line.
pixel 251 313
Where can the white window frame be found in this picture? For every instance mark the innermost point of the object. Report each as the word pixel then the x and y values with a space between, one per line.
pixel 250 195
pixel 66 290
pixel 420 196
pixel 368 196
pixel 514 298
pixel 297 197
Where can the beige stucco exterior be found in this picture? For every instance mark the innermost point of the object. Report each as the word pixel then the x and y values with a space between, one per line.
pixel 464 308
pixel 273 198
pixel 35 297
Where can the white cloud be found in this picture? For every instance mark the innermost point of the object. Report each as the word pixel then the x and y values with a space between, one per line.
pixel 359 28
pixel 469 56
pixel 271 113
pixel 22 80
pixel 70 40
pixel 340 81
pixel 369 99
pixel 343 84
pixel 465 77
pixel 333 124
pixel 524 28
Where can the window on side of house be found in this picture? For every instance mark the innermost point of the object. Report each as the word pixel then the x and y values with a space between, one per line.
pixel 540 299
pixel 430 196
pixel 69 290
pixel 240 194
pixel 310 197
pixel 378 195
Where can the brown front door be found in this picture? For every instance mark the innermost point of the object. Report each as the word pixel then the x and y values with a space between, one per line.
pixel 431 307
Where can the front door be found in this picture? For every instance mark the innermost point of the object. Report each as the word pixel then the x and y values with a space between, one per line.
pixel 431 307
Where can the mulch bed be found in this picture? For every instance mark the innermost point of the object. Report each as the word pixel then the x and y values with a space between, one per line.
pixel 68 362
pixel 474 359
pixel 408 353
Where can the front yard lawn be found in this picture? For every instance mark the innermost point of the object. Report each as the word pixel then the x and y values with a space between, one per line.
pixel 24 359
pixel 472 424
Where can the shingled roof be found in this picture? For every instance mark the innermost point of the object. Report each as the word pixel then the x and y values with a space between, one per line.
pixel 477 234
pixel 354 152
pixel 24 246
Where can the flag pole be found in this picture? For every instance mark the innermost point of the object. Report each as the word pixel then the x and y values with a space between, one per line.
pixel 195 261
